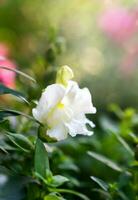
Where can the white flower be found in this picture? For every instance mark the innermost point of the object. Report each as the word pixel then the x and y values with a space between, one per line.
pixel 63 108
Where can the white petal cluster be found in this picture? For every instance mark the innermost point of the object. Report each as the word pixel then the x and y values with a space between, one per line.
pixel 63 108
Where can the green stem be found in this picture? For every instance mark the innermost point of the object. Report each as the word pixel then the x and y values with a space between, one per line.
pixel 19 72
pixel 82 196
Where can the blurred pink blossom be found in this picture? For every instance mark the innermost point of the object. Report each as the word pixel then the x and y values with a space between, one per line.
pixel 7 77
pixel 129 61
pixel 118 24
pixel 4 50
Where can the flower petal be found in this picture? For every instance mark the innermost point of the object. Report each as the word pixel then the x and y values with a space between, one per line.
pixel 78 126
pixel 59 115
pixel 50 97
pixel 79 100
pixel 59 132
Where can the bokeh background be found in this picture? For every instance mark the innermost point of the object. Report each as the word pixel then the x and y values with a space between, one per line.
pixel 98 39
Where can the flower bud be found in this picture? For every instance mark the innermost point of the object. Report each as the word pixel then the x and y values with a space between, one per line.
pixel 64 74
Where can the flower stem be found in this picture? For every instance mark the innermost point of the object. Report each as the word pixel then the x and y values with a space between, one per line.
pixel 82 196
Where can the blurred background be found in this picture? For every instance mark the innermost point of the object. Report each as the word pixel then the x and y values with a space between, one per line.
pixel 98 39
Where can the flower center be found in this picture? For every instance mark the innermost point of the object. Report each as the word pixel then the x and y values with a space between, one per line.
pixel 60 105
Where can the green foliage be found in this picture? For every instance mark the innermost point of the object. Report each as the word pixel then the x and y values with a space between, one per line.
pixel 41 158
pixel 4 113
pixel 106 161
pixel 53 196
pixel 20 141
pixel 100 182
pixel 44 35
pixel 5 90
pixel 73 168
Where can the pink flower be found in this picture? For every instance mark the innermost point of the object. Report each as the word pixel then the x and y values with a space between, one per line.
pixel 129 61
pixel 7 77
pixel 118 24
pixel 4 50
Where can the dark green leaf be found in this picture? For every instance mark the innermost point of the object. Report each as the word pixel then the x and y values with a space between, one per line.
pixel 100 182
pixel 122 195
pixel 6 147
pixel 41 158
pixel 104 194
pixel 78 194
pixel 8 113
pixel 4 124
pixel 20 141
pixel 124 144
pixel 6 90
pixel 106 161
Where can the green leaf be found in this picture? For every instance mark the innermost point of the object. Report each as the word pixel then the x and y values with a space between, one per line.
pixel 101 183
pixel 52 181
pixel 16 144
pixel 57 181
pixel 122 195
pixel 41 161
pixel 106 161
pixel 19 72
pixel 20 141
pixel 53 196
pixel 124 144
pixel 6 147
pixel 8 113
pixel 6 90
pixel 105 195
pixel 3 149
pixel 116 109
pixel 78 194
pixel 4 124
pixel 107 124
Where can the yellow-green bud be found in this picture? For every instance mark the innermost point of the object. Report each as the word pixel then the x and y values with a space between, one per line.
pixel 64 74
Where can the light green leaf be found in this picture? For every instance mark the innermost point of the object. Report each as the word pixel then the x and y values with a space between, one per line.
pixel 101 183
pixel 57 180
pixel 53 196
pixel 41 161
pixel 52 181
pixel 6 90
pixel 106 161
